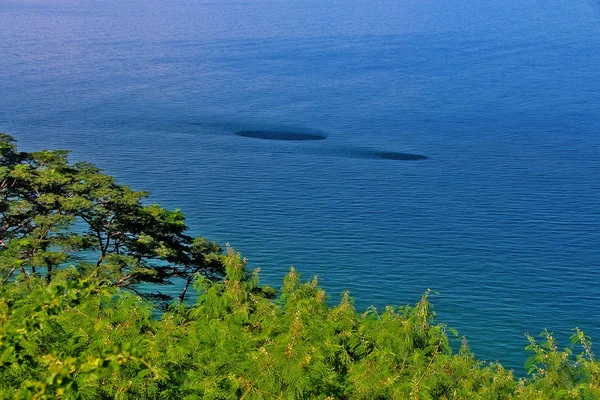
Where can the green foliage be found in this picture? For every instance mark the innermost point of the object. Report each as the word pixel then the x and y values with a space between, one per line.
pixel 51 211
pixel 80 338
pixel 559 372
pixel 79 332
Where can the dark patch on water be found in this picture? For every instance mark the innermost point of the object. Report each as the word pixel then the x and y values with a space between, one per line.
pixel 392 155
pixel 281 135
pixel 381 155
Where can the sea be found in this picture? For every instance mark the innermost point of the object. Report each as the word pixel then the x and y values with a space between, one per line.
pixel 458 151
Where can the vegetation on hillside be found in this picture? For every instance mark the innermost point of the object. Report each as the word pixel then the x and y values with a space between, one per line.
pixel 73 246
pixel 55 213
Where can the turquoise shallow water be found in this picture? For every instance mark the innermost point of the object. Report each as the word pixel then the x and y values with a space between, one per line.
pixel 502 219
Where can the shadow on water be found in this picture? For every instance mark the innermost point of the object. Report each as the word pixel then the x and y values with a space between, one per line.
pixel 283 135
pixel 392 155
pixel 370 154
pixel 280 135
pixel 307 134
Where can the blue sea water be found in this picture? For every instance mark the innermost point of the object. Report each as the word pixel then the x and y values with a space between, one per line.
pixel 502 220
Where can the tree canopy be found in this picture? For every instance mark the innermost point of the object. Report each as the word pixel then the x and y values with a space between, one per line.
pixel 55 213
